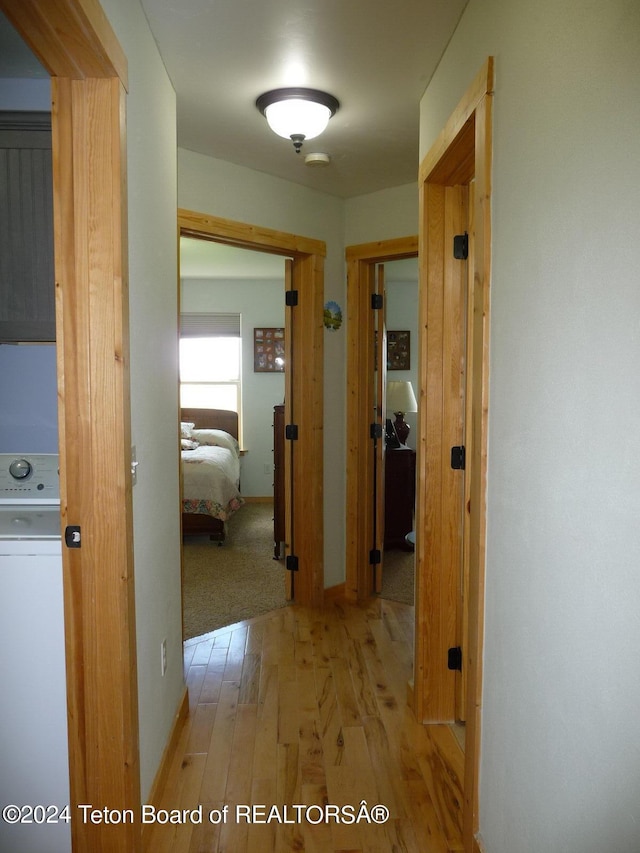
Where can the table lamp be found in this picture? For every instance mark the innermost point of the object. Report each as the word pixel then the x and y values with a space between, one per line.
pixel 401 399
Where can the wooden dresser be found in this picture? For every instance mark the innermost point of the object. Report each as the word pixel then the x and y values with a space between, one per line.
pixel 278 479
pixel 399 496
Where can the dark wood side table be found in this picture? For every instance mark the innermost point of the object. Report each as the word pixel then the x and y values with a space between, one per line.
pixel 399 495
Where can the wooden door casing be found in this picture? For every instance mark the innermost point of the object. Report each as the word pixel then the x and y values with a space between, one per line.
pixel 361 263
pixel 380 374
pixel 461 155
pixel 304 382
pixel 75 43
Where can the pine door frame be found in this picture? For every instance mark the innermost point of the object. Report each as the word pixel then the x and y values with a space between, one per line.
pixel 305 381
pixel 76 44
pixel 461 154
pixel 362 260
pixel 460 157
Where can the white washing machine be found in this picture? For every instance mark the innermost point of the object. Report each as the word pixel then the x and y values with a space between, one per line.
pixel 34 769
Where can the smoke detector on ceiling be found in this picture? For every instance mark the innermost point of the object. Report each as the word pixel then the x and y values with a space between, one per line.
pixel 317 159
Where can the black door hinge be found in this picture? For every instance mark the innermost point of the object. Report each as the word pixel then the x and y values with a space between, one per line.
pixel 291 298
pixel 375 431
pixel 375 557
pixel 73 536
pixel 291 563
pixel 291 432
pixel 454 659
pixel 377 301
pixel 458 458
pixel 461 246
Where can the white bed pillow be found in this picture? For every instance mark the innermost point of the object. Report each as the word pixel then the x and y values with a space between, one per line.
pixel 185 429
pixel 216 437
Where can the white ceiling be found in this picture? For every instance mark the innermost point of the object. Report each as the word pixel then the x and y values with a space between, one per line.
pixel 375 56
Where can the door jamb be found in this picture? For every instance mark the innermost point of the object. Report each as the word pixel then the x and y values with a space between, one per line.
pixel 461 153
pixel 306 384
pixel 76 44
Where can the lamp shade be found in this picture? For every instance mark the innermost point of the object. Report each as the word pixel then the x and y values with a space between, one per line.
pixel 297 113
pixel 400 397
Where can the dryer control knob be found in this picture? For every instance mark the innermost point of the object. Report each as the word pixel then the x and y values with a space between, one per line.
pixel 20 469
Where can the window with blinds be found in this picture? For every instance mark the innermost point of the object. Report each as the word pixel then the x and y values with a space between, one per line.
pixel 210 361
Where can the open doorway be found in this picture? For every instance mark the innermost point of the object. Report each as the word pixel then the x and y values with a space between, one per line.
pixel 232 337
pixel 396 383
pixel 303 415
pixel 366 412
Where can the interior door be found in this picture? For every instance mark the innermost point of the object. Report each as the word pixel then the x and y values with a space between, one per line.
pixel 380 407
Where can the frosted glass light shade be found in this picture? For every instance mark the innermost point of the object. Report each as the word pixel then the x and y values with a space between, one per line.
pixel 297 113
pixel 295 117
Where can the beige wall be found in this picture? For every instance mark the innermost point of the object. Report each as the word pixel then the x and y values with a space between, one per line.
pixel 382 215
pixel 152 178
pixel 560 748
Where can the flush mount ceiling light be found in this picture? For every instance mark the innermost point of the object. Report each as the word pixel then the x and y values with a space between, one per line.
pixel 297 114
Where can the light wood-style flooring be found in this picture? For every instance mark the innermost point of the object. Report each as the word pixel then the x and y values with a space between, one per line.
pixel 309 707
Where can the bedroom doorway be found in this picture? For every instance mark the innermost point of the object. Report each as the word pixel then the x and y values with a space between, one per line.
pixel 232 364
pixel 365 526
pixel 303 547
pixel 396 382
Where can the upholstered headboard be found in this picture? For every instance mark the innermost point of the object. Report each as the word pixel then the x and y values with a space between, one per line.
pixel 211 419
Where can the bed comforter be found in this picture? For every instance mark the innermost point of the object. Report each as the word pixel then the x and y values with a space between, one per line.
pixel 211 478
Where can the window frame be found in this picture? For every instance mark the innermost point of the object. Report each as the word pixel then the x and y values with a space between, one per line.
pixel 202 325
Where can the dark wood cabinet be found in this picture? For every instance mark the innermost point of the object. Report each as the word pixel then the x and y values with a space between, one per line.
pixel 278 479
pixel 399 495
pixel 27 278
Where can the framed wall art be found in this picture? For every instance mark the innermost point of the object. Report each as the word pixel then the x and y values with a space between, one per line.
pixel 398 351
pixel 268 350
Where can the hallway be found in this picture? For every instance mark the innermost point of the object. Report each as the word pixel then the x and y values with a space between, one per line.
pixel 308 707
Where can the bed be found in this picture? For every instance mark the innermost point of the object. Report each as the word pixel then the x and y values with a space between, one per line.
pixel 210 471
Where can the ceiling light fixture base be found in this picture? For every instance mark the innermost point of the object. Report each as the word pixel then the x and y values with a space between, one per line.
pixel 317 158
pixel 297 139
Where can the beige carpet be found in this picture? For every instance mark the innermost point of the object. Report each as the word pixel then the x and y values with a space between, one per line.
pixel 235 581
pixel 240 579
pixel 398 575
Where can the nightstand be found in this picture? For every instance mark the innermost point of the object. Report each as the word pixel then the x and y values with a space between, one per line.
pixel 399 495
